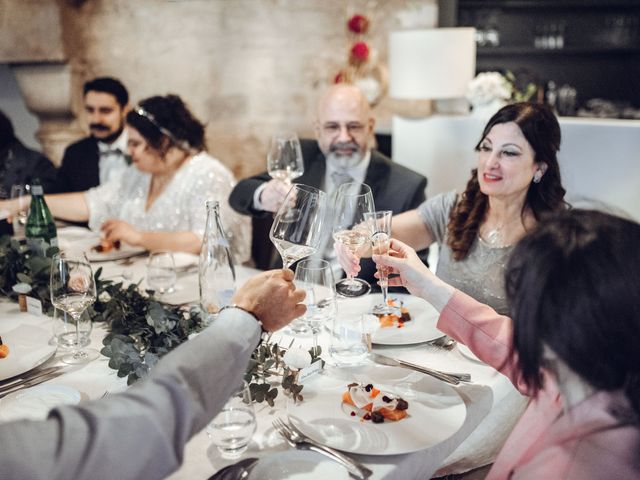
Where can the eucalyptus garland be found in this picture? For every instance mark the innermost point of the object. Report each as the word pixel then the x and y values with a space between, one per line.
pixel 141 329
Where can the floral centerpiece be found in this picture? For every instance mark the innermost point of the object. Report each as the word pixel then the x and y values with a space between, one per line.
pixel 490 91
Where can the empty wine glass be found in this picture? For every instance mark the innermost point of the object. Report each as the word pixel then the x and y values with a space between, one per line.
pixel 161 272
pixel 380 229
pixel 21 193
pixel 284 159
pixel 353 201
pixel 297 226
pixel 231 430
pixel 315 277
pixel 73 289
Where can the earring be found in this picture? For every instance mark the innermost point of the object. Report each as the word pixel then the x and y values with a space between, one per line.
pixel 537 176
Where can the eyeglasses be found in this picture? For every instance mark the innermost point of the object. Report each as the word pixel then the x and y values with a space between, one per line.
pixel 353 128
pixel 143 113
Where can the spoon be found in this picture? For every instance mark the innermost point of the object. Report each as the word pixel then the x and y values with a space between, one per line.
pixel 236 471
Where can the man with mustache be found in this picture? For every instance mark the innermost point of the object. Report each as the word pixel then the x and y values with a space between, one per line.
pixel 343 152
pixel 101 156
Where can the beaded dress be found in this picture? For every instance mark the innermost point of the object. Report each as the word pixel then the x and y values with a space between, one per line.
pixel 179 208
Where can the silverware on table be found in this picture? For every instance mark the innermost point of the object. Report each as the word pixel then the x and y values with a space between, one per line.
pixel 445 342
pixel 30 383
pixel 297 439
pixel 30 375
pixel 236 471
pixel 452 378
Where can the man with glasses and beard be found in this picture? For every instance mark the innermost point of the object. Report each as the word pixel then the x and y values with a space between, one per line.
pixel 101 156
pixel 343 152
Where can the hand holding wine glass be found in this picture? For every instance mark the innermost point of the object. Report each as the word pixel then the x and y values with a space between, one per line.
pixel 350 230
pixel 297 226
pixel 284 160
pixel 380 229
pixel 73 289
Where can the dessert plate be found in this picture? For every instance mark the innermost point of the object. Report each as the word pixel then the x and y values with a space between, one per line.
pixel 436 411
pixel 421 328
pixel 28 347
pixel 79 238
pixel 34 403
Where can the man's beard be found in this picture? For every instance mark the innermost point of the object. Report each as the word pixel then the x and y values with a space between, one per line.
pixel 344 162
pixel 108 139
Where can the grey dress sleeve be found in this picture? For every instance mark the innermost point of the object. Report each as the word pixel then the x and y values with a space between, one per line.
pixel 140 433
pixel 435 213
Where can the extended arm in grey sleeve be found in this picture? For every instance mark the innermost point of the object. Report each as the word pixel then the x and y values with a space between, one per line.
pixel 140 433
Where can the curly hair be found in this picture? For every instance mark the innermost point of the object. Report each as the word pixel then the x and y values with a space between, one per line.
pixel 541 129
pixel 166 121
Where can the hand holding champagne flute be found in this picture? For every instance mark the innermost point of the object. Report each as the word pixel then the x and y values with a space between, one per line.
pixel 353 201
pixel 380 229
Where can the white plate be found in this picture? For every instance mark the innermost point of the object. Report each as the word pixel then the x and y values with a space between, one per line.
pixel 297 465
pixel 28 347
pixel 466 352
pixel 436 411
pixel 79 238
pixel 422 327
pixel 34 403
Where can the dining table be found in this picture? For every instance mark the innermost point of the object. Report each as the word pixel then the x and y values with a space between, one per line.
pixel 487 407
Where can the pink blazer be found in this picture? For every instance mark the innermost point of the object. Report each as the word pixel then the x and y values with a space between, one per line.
pixel 597 439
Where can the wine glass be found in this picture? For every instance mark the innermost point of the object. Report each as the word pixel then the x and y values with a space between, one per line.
pixel 284 159
pixel 73 289
pixel 315 277
pixel 231 429
pixel 161 272
pixel 380 229
pixel 21 193
pixel 353 201
pixel 297 227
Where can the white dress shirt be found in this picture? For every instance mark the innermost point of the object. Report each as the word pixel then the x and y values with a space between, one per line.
pixel 112 158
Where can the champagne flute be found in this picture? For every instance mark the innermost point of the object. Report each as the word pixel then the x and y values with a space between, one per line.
pixel 315 277
pixel 21 193
pixel 297 226
pixel 380 228
pixel 353 201
pixel 73 289
pixel 284 159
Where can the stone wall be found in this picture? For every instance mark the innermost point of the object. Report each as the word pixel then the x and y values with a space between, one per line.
pixel 247 68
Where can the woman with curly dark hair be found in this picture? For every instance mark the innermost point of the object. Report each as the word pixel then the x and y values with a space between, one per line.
pixel 516 181
pixel 159 201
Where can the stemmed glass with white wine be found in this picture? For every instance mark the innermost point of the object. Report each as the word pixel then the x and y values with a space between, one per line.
pixel 73 289
pixel 353 201
pixel 284 159
pixel 297 226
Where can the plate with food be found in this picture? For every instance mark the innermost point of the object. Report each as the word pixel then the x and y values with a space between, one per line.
pixel 415 321
pixel 24 347
pixel 377 410
pixel 95 247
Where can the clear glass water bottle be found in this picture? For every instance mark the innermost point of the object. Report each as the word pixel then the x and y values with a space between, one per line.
pixel 216 272
pixel 40 229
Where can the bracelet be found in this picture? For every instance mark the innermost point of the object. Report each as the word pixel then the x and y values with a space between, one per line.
pixel 233 305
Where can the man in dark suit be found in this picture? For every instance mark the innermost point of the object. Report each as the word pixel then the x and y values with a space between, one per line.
pixel 342 152
pixel 101 156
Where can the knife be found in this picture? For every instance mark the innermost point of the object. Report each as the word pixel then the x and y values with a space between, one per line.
pixel 27 376
pixel 445 377
pixel 30 383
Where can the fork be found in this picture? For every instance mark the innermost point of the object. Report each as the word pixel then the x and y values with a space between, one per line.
pixel 296 439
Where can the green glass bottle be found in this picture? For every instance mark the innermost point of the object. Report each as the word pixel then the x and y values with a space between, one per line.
pixel 40 229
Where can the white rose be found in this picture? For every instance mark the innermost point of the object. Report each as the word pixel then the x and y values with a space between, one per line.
pixel 297 358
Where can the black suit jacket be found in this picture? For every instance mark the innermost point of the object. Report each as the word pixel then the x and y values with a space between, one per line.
pixel 79 170
pixel 394 188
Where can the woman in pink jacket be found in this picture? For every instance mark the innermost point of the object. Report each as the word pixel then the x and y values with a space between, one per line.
pixel 573 287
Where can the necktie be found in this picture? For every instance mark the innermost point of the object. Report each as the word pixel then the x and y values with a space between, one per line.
pixel 339 178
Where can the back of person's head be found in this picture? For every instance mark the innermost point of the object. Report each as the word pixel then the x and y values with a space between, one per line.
pixel 7 135
pixel 540 127
pixel 573 286
pixel 164 120
pixel 109 85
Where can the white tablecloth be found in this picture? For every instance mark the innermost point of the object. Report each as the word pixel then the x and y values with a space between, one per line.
pixel 492 403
